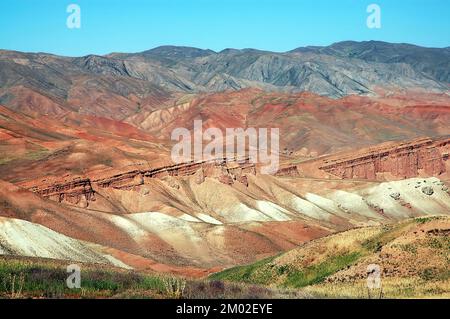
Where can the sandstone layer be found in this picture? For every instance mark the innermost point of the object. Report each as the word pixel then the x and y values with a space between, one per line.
pixel 400 160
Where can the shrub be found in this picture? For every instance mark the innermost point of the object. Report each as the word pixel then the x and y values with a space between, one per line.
pixel 174 287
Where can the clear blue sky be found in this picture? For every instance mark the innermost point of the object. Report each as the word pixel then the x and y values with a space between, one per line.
pixel 278 25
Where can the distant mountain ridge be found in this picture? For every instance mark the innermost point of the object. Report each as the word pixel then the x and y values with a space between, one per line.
pixel 434 62
pixel 341 69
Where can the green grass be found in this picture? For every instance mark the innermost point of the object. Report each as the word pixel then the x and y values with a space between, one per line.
pixel 265 272
pixel 22 277
pixel 262 272
pixel 424 220
pixel 5 160
pixel 246 273
pixel 318 273
pixel 388 234
pixel 37 155
pixel 30 155
pixel 44 279
pixel 410 248
pixel 427 219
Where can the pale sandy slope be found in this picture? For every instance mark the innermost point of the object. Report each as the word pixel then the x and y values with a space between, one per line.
pixel 211 224
pixel 19 237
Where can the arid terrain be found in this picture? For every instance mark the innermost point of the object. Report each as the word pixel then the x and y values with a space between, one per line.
pixel 338 265
pixel 86 174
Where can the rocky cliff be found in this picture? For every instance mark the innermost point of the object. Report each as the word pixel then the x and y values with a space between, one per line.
pixel 80 190
pixel 404 160
pixel 290 170
pixel 399 160
pixel 71 189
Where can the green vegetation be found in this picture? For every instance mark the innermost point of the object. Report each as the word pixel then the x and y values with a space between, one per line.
pixel 185 99
pixel 44 278
pixel 20 278
pixel 410 248
pixel 388 234
pixel 427 219
pixel 246 273
pixel 318 273
pixel 264 272
pixel 313 270
pixel 34 155
pixel 309 266
pixel 424 220
pixel 5 160
pixel 37 155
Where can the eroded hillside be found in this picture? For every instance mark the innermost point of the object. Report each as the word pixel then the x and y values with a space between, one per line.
pixel 338 265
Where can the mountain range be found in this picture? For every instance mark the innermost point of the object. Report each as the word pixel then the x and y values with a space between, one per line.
pixel 86 174
pixel 344 68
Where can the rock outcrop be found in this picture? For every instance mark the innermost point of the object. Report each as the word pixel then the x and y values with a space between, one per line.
pixel 404 160
pixel 288 171
pixel 74 190
pixel 428 190
pixel 80 190
pixel 213 168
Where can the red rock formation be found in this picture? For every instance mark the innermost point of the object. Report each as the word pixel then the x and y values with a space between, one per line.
pixel 200 176
pixel 243 180
pixel 404 160
pixel 79 189
pixel 226 179
pixel 288 171
pixel 121 181
pixel 213 168
pixel 75 191
pixel 237 171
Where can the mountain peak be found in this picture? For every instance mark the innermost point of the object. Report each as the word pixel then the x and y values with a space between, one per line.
pixel 178 51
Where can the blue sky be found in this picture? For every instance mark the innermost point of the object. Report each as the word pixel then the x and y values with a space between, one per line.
pixel 277 25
